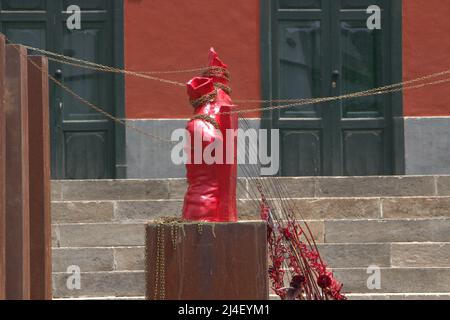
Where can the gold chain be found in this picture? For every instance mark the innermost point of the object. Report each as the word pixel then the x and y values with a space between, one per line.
pixel 200 228
pixel 160 266
pixel 368 93
pixel 174 231
pixel 162 258
pixel 62 58
pixel 224 87
pixel 209 97
pixel 206 118
pixel 94 107
pixel 299 102
pixel 101 67
pixel 114 70
pixel 157 264
pixel 217 72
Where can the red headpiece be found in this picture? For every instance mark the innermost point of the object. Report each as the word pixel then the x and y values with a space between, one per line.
pixel 200 91
pixel 218 71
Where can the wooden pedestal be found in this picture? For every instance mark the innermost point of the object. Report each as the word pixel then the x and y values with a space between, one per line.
pixel 207 261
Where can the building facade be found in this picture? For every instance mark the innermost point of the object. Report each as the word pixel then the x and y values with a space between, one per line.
pixel 275 49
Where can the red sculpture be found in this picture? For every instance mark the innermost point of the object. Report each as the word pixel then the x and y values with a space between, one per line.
pixel 211 194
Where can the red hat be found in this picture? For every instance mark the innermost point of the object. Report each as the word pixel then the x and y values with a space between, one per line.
pixel 214 60
pixel 218 71
pixel 198 87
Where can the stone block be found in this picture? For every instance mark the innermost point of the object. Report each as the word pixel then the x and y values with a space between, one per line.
pixel 82 211
pixel 101 235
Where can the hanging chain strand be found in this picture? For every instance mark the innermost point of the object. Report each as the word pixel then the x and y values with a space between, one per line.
pixel 63 59
pixel 210 70
pixel 162 268
pixel 94 107
pixel 397 87
pixel 160 264
pixel 174 232
pixel 157 263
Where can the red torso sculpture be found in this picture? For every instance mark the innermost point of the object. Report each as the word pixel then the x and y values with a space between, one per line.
pixel 211 194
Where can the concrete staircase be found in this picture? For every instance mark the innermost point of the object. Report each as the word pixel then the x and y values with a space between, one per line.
pixel 400 224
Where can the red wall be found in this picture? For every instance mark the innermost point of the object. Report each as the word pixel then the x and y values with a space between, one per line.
pixel 175 34
pixel 426 50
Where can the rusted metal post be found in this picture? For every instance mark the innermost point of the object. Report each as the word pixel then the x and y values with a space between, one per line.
pixel 217 261
pixel 17 175
pixel 40 216
pixel 2 170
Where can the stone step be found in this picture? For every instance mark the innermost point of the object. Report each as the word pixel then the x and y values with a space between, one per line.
pixel 379 296
pixel 98 234
pixel 329 231
pixel 385 230
pixel 396 255
pixel 396 280
pixel 309 208
pixel 99 259
pixel 399 281
pixel 101 284
pixel 128 189
pixel 107 298
pixel 299 187
pixel 120 234
pixel 399 296
pixel 389 296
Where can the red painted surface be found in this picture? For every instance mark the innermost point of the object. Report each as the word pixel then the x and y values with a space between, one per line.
pixel 169 35
pixel 426 50
pixel 211 193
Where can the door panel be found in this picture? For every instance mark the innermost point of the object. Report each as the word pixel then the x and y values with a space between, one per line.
pixel 360 145
pixel 85 153
pixel 361 5
pixel 24 5
pixel 306 159
pixel 295 4
pixel 86 5
pixel 30 33
pixel 324 48
pixel 83 128
pixel 361 63
pixel 362 139
pixel 91 85
pixel 83 141
pixel 300 67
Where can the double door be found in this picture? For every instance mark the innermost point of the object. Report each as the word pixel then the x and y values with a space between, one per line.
pixel 324 48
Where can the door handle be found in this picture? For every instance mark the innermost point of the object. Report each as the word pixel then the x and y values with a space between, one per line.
pixel 334 78
pixel 58 73
pixel 58 114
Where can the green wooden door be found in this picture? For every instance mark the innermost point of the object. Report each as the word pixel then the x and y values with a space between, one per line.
pixel 324 48
pixel 83 141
